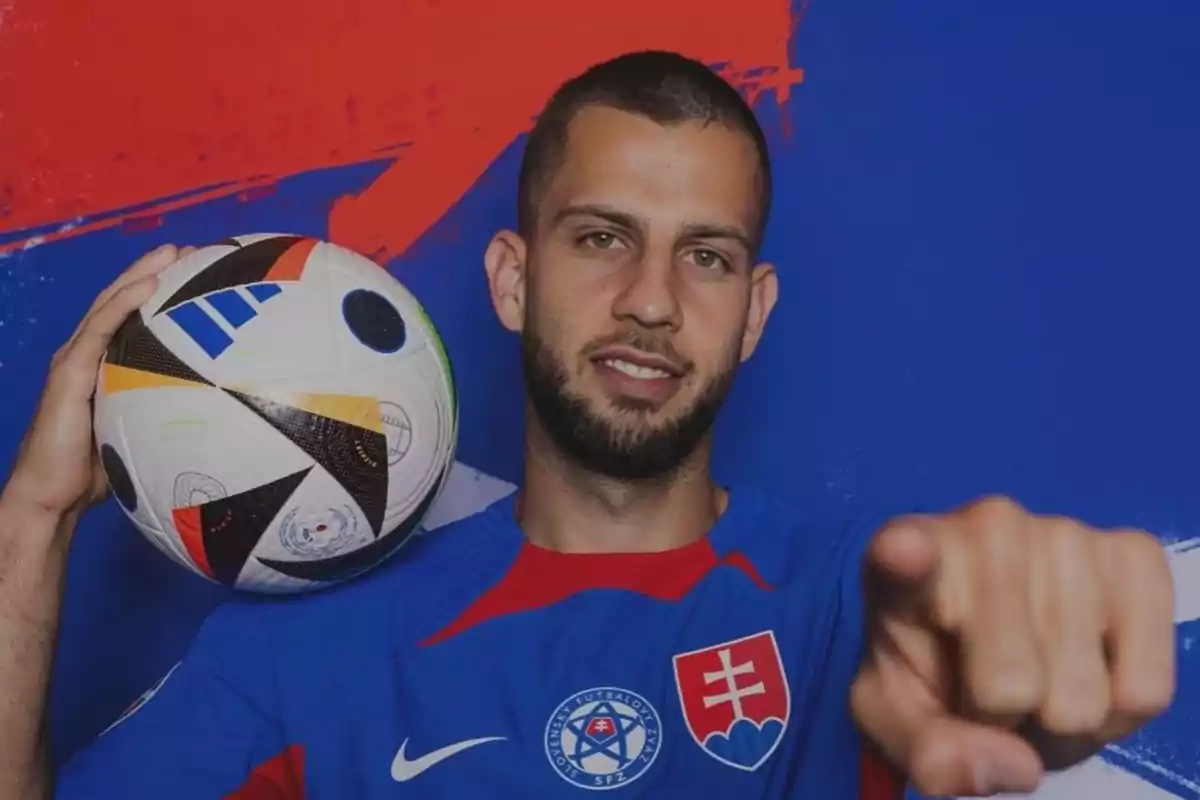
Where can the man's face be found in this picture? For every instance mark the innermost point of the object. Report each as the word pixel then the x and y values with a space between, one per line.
pixel 639 294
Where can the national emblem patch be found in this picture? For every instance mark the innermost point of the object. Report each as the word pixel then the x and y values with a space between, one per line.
pixel 735 699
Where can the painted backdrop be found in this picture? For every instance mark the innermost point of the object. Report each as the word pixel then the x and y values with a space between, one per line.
pixel 985 227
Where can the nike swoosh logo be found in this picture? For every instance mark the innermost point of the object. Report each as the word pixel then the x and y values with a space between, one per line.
pixel 405 770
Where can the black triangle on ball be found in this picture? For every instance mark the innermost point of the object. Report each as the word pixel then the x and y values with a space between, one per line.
pixel 248 264
pixel 355 457
pixel 232 526
pixel 135 347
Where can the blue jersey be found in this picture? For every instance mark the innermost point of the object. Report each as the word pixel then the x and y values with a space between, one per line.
pixel 476 664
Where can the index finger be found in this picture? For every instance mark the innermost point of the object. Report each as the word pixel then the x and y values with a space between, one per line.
pixel 151 263
pixel 902 567
pixel 76 371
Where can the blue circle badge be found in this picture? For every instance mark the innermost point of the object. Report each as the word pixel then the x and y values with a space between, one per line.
pixel 603 738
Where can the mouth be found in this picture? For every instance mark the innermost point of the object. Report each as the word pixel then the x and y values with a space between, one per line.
pixel 635 378
pixel 638 364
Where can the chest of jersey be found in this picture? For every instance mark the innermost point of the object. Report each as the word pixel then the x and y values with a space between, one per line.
pixel 722 693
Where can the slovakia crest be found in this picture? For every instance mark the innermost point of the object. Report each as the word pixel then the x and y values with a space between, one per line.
pixel 735 699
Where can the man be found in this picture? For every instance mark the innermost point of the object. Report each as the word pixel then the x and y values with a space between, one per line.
pixel 623 623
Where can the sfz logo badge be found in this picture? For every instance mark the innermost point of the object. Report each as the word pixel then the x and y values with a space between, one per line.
pixel 603 738
pixel 735 699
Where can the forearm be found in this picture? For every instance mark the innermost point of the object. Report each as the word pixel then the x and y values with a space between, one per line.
pixel 33 548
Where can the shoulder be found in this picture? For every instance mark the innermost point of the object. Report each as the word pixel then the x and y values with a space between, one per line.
pixel 813 543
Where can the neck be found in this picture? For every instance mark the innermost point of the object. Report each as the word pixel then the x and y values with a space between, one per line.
pixel 567 508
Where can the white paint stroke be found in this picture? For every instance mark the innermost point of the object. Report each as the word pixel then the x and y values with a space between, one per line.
pixel 70 225
pixel 468 491
pixel 1158 769
pixel 1095 779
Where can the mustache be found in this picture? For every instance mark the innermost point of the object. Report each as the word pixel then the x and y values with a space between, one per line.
pixel 640 340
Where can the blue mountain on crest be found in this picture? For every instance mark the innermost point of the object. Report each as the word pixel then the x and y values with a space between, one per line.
pixel 746 744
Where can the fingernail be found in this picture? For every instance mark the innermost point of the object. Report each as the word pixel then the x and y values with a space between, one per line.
pixel 996 777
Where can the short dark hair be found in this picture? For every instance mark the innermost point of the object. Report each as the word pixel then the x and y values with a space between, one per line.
pixel 665 87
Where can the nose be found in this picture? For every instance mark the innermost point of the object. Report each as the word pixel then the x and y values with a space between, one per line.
pixel 650 294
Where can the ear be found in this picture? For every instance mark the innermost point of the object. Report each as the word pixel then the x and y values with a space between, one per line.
pixel 764 291
pixel 504 261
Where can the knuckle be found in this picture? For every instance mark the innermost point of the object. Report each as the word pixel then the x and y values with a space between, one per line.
pixel 123 297
pixel 1063 529
pixel 1077 720
pixel 1075 710
pixel 1070 542
pixel 995 506
pixel 1016 690
pixel 1139 545
pixel 1143 697
pixel 1139 557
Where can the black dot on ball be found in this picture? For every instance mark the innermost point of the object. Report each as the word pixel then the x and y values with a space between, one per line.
pixel 373 320
pixel 118 478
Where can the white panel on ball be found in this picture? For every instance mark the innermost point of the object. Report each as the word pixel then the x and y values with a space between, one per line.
pixel 280 416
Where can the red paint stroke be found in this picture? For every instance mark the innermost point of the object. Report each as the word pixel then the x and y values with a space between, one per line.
pixel 105 107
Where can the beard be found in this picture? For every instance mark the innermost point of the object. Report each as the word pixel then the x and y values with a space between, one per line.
pixel 626 447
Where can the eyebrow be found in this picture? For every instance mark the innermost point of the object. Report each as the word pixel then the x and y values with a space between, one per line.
pixel 621 219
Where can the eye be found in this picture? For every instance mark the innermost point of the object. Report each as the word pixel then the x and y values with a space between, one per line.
pixel 708 259
pixel 600 240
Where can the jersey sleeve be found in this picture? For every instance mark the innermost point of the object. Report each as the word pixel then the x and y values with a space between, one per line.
pixel 878 779
pixel 207 730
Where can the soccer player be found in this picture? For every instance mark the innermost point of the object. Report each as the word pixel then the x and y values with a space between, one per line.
pixel 621 622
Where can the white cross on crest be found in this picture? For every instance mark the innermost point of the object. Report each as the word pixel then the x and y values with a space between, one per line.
pixel 733 694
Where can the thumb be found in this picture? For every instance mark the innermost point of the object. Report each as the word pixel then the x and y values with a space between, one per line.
pixel 941 755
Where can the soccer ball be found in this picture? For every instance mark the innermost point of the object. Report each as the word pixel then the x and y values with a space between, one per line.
pixel 280 416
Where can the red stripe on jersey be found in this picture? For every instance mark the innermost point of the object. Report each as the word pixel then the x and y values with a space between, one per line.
pixel 539 577
pixel 280 777
pixel 878 780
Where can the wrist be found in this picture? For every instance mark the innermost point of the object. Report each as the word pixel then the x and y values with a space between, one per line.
pixel 24 518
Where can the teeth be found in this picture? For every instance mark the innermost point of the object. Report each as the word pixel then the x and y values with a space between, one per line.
pixel 635 370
